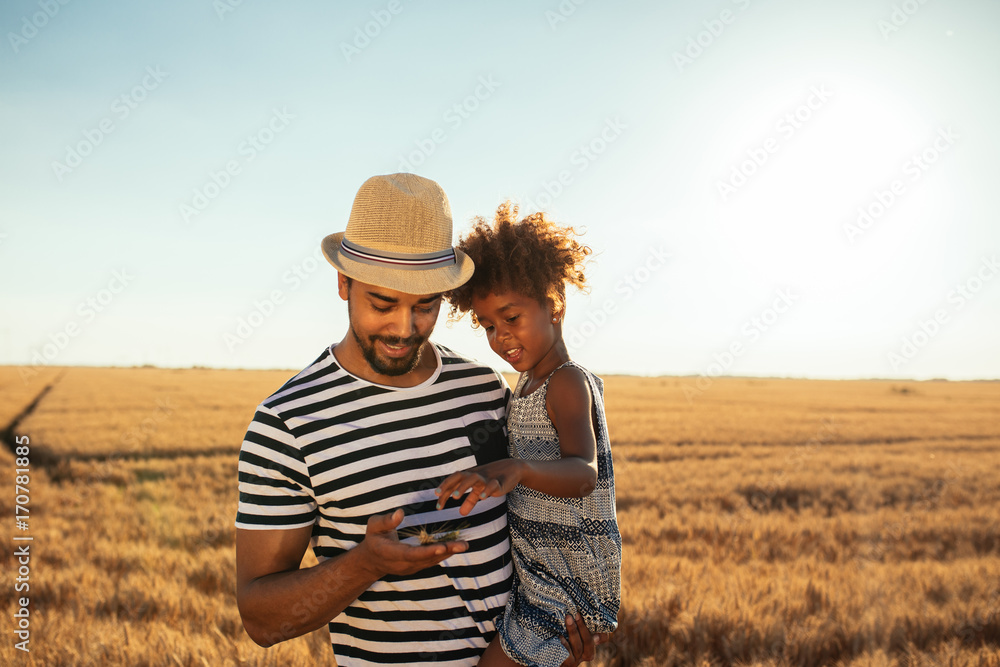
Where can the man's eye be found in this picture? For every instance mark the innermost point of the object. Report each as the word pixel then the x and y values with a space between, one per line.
pixel 381 310
pixel 426 311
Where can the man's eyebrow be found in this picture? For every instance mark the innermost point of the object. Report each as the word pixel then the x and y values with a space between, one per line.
pixel 391 299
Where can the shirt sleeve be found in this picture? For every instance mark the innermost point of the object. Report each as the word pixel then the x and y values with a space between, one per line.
pixel 274 482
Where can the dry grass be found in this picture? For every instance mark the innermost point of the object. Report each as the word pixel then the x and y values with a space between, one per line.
pixel 766 522
pixel 97 412
pixel 134 565
pixel 19 387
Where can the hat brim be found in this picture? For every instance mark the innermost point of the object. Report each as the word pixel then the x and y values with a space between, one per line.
pixel 410 281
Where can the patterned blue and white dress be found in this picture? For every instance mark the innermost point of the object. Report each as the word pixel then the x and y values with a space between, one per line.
pixel 566 551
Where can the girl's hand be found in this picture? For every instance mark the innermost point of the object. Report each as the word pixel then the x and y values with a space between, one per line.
pixel 485 481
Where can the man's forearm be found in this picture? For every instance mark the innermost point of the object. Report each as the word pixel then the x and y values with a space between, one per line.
pixel 279 601
pixel 284 605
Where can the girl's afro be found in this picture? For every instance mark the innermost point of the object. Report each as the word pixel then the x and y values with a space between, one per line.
pixel 533 257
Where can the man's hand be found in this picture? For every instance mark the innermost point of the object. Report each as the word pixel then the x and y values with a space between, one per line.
pixel 579 642
pixel 385 554
pixel 269 576
pixel 485 481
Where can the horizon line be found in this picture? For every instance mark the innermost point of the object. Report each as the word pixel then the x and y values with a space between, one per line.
pixel 609 374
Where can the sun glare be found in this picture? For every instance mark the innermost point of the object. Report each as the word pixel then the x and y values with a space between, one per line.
pixel 792 173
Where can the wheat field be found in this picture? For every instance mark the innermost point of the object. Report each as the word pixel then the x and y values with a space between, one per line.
pixel 765 522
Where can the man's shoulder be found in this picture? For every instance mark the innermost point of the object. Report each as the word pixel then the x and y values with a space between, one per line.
pixel 453 363
pixel 450 356
pixel 322 373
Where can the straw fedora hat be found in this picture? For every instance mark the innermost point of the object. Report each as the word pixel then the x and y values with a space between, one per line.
pixel 399 237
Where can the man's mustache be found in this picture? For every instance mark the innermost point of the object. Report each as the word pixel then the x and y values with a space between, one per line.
pixel 397 340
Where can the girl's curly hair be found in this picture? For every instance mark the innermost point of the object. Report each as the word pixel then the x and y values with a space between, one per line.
pixel 533 257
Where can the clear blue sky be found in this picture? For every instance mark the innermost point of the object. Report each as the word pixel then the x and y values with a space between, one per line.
pixel 772 187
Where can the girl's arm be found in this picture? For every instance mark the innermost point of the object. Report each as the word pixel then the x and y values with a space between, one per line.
pixel 570 407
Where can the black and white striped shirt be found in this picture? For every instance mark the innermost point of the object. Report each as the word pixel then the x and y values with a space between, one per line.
pixel 329 450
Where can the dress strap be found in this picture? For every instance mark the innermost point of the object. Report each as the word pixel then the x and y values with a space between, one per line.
pixel 520 385
pixel 562 365
pixel 521 380
pixel 596 384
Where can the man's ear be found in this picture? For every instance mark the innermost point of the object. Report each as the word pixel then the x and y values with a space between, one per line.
pixel 342 285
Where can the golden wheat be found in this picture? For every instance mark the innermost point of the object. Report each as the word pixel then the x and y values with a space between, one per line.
pixel 765 522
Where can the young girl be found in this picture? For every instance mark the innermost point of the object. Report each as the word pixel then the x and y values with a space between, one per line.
pixel 559 480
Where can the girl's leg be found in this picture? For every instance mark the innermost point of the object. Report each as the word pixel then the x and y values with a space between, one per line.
pixel 495 657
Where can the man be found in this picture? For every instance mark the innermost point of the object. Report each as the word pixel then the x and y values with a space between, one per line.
pixel 347 454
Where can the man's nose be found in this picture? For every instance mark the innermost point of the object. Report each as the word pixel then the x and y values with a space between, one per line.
pixel 404 324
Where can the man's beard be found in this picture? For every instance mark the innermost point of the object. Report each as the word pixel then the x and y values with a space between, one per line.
pixel 390 366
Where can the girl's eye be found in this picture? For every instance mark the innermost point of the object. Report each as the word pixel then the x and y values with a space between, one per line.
pixel 512 318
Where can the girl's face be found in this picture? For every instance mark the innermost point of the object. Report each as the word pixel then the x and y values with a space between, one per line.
pixel 520 330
